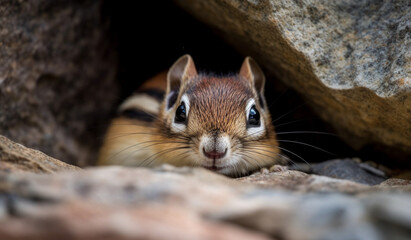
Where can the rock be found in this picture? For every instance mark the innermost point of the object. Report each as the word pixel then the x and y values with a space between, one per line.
pixel 57 67
pixel 350 170
pixel 396 182
pixel 187 203
pixel 302 182
pixel 297 181
pixel 97 221
pixel 355 170
pixel 15 158
pixel 350 59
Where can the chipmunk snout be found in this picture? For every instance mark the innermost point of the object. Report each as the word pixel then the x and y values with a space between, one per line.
pixel 214 154
pixel 215 147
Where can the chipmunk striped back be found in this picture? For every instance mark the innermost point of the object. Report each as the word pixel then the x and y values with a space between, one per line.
pixel 189 119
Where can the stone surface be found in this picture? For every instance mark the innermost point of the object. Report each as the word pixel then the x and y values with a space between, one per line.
pixel 186 203
pixel 354 169
pixel 350 59
pixel 15 158
pixel 90 221
pixel 57 72
pixel 350 170
pixel 302 182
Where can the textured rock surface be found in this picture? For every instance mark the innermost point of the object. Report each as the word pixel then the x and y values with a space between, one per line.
pixel 57 73
pixel 15 158
pixel 350 59
pixel 184 203
pixel 350 170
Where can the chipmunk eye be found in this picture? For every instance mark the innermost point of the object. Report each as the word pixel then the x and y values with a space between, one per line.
pixel 253 118
pixel 181 114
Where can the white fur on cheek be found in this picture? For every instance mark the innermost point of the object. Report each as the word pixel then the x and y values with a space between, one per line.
pixel 178 127
pixel 254 131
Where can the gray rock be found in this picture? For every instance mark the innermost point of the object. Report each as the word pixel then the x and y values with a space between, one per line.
pixel 57 67
pixel 303 182
pixel 350 170
pixel 350 59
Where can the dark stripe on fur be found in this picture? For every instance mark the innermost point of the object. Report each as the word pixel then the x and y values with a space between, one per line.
pixel 152 92
pixel 137 114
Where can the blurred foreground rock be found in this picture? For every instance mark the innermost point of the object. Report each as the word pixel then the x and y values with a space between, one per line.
pixel 194 203
pixel 184 203
pixel 350 59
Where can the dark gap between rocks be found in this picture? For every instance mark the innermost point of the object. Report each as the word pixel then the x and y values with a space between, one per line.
pixel 151 36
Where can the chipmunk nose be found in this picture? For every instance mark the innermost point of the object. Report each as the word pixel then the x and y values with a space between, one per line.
pixel 214 154
pixel 215 147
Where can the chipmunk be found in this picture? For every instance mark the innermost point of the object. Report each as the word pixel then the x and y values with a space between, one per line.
pixel 219 123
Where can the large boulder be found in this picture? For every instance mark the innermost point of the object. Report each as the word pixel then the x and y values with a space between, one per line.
pixel 350 59
pixel 57 72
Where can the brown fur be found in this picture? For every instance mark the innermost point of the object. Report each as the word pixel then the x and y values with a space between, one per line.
pixel 157 82
pixel 217 106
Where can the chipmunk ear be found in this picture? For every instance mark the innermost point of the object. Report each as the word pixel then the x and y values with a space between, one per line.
pixel 253 73
pixel 182 70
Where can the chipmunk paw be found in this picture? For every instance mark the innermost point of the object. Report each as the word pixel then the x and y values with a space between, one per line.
pixel 278 168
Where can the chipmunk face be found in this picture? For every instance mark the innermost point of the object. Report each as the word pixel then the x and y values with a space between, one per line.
pixel 220 123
